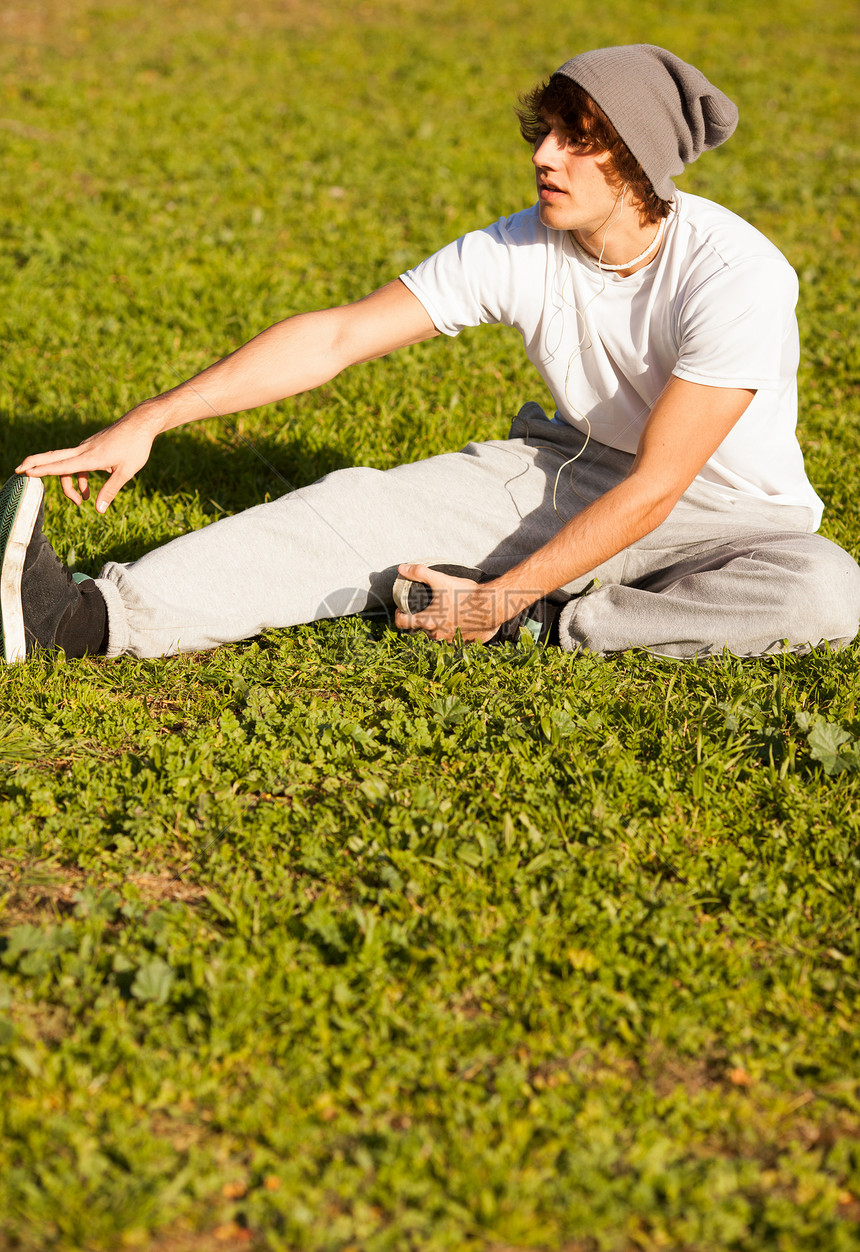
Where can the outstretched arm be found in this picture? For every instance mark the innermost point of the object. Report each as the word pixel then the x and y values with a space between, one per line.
pixel 290 357
pixel 687 425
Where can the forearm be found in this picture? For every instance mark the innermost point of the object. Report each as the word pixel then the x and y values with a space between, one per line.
pixel 293 356
pixel 290 357
pixel 685 428
pixel 607 526
pixel 611 523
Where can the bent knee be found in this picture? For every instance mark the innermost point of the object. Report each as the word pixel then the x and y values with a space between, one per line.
pixel 825 604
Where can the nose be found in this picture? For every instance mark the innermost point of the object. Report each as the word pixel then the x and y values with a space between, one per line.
pixel 545 151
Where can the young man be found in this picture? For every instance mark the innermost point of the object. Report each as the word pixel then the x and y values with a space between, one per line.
pixel 665 506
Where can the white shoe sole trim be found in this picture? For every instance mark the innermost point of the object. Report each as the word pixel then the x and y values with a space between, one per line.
pixel 400 593
pixel 11 610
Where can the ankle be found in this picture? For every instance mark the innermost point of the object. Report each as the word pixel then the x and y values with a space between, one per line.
pixel 83 628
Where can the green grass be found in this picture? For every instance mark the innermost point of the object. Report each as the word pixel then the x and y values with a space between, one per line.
pixel 340 940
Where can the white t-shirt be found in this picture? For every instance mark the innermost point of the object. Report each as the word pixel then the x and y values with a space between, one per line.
pixel 716 306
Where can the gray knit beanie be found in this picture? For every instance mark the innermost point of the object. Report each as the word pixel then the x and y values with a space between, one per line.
pixel 665 110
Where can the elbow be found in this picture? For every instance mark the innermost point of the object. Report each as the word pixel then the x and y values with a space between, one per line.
pixel 652 503
pixel 661 508
pixel 334 339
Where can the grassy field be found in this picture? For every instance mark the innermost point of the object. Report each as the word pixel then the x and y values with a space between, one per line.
pixel 337 940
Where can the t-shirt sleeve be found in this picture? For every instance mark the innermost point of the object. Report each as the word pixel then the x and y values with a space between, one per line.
pixel 737 327
pixel 472 280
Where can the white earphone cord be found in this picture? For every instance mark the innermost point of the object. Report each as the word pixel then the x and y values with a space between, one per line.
pixel 580 348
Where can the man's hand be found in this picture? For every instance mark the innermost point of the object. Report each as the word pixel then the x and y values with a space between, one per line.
pixel 457 604
pixel 476 610
pixel 121 449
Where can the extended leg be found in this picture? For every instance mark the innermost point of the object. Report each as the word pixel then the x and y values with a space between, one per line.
pixel 327 550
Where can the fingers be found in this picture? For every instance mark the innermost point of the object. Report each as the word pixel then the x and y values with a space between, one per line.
pixel 80 492
pixel 74 478
pixel 62 465
pixel 439 619
pixel 421 574
pixel 426 619
pixel 68 486
pixel 418 625
pixel 42 463
pixel 119 450
pixel 416 573
pixel 111 490
pixel 67 482
pixel 434 579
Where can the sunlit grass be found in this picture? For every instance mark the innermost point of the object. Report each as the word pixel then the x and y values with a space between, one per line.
pixel 339 939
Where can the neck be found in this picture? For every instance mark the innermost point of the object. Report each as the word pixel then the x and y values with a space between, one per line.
pixel 623 246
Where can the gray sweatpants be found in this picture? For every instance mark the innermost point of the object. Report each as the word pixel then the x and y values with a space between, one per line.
pixel 718 574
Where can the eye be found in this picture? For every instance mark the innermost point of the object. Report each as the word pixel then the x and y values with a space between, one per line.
pixel 578 146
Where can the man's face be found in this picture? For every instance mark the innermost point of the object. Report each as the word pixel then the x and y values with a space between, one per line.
pixel 573 188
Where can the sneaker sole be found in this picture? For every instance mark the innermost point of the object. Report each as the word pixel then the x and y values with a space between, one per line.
pixel 20 500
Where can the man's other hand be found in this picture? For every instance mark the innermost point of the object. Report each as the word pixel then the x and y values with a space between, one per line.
pixel 121 450
pixel 458 604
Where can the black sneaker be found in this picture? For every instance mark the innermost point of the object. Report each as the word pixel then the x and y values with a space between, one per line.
pixel 42 605
pixel 540 619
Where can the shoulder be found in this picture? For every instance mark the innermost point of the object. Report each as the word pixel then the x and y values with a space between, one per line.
pixel 519 230
pixel 496 274
pixel 510 244
pixel 707 230
pixel 713 245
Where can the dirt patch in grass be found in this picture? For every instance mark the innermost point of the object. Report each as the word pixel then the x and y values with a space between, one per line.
pixel 165 886
pixel 227 1237
pixel 34 890
pixel 567 1247
pixel 38 890
pixel 667 1071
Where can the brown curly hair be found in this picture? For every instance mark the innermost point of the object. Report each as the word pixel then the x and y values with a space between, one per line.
pixel 588 126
